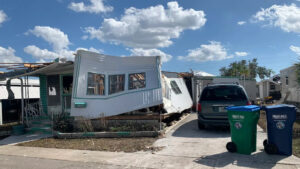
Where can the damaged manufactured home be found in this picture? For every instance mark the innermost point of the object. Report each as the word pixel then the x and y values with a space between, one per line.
pixel 97 85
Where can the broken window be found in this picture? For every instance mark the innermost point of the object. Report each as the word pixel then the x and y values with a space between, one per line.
pixel 137 80
pixel 116 83
pixel 67 82
pixel 175 87
pixel 96 84
pixel 52 91
pixel 53 82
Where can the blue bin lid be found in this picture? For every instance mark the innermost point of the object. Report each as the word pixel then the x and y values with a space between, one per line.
pixel 249 108
pixel 280 106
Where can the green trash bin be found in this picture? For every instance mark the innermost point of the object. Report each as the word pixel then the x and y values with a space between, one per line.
pixel 243 127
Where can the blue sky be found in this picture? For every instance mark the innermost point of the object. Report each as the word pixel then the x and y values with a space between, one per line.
pixel 200 35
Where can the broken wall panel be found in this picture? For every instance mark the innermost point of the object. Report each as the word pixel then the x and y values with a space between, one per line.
pixel 176 97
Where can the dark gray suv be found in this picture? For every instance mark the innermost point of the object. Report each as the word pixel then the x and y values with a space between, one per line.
pixel 213 102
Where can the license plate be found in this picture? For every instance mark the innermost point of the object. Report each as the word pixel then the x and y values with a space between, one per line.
pixel 222 109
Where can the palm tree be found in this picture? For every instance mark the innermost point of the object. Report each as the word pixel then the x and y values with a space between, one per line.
pixel 249 70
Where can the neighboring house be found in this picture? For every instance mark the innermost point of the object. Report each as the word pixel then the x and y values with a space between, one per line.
pixel 268 88
pixel 290 86
pixel 97 85
pixel 10 109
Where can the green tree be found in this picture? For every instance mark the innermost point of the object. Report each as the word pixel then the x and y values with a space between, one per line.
pixel 248 69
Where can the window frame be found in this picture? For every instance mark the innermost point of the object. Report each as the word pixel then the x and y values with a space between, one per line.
pixel 124 79
pixel 145 82
pixel 175 89
pixel 104 81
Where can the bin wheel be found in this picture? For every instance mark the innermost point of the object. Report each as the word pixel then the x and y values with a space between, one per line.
pixel 231 147
pixel 265 142
pixel 201 126
pixel 271 149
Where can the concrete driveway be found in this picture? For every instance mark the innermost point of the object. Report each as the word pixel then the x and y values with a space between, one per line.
pixel 208 148
pixel 185 147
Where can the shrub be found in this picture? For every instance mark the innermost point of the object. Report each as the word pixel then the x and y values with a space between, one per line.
pixel 63 122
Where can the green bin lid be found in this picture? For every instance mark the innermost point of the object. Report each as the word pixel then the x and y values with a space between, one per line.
pixel 249 108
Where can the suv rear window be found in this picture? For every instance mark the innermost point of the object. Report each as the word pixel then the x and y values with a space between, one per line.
pixel 230 93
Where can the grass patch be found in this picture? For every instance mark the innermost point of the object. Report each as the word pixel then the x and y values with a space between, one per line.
pixel 262 122
pixel 297 125
pixel 101 144
pixel 296 146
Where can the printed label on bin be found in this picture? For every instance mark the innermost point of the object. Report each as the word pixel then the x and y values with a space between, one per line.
pixel 239 117
pixel 280 125
pixel 238 125
pixel 279 116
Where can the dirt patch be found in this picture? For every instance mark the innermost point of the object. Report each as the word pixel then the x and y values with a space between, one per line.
pixel 296 147
pixel 262 122
pixel 103 144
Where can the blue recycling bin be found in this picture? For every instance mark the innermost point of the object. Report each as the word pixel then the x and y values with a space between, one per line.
pixel 280 120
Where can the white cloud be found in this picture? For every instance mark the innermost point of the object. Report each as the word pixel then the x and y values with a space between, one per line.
pixel 46 55
pixel 40 53
pixel 150 28
pixel 207 52
pixel 96 6
pixel 55 37
pixel 151 52
pixel 201 73
pixel 241 53
pixel 59 42
pixel 241 22
pixel 7 55
pixel 91 49
pixel 286 17
pixel 295 49
pixel 3 17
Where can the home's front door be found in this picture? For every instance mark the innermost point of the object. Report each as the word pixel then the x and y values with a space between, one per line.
pixel 66 86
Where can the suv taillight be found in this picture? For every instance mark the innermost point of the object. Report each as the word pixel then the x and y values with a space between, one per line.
pixel 199 107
